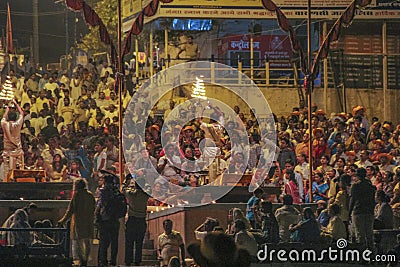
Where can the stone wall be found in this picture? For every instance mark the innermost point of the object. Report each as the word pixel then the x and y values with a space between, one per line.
pixel 282 100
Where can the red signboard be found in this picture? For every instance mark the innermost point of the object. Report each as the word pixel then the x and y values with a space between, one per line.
pixel 271 47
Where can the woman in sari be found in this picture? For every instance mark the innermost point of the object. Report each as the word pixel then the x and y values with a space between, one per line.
pixel 319 188
pixel 292 188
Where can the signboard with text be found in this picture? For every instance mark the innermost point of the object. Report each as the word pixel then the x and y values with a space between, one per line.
pixel 253 9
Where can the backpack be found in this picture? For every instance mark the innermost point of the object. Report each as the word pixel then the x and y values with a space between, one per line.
pixel 117 206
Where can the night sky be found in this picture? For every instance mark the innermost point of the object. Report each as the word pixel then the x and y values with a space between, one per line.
pixel 52 36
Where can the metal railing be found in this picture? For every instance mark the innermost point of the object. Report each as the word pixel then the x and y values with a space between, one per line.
pixel 266 73
pixel 35 249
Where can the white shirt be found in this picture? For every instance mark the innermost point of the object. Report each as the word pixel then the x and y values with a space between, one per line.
pixel 303 169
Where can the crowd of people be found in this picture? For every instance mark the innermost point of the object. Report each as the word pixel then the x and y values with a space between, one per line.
pixel 69 128
pixel 64 118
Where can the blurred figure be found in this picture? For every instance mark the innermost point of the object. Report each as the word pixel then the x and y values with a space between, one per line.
pixel 307 230
pixel 81 212
pixel 20 222
pixel 383 212
pixel 220 250
pixel 336 229
pixel 362 204
pixel 244 239
pixel 286 216
pixel 269 224
pixel 30 209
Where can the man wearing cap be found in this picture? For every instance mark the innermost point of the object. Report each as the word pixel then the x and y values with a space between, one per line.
pixel 362 205
pixel 188 138
pixel 360 111
pixel 302 148
pixel 107 224
pixel 387 146
pixel 385 160
pixel 364 160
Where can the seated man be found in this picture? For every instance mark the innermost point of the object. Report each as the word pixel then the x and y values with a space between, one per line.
pixel 286 215
pixel 336 228
pixel 170 243
pixel 244 239
pixel 307 229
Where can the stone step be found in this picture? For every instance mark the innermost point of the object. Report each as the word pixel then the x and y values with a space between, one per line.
pixel 145 263
pixel 151 251
pixel 148 244
pixel 150 255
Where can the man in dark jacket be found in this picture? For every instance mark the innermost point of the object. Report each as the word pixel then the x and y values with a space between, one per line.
pixel 50 130
pixel 286 153
pixel 362 204
pixel 136 225
pixel 108 225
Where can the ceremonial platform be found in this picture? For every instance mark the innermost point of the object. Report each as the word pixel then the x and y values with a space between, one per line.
pixel 35 190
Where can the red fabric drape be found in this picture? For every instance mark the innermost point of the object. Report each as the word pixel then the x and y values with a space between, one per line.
pixel 74 4
pixel 9 41
pixel 90 16
pixel 93 19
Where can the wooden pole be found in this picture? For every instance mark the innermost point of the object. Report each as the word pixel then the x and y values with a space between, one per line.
pixel 166 52
pixel 325 63
pixel 385 71
pixel 251 56
pixel 137 56
pixel 120 79
pixel 309 99
pixel 151 53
